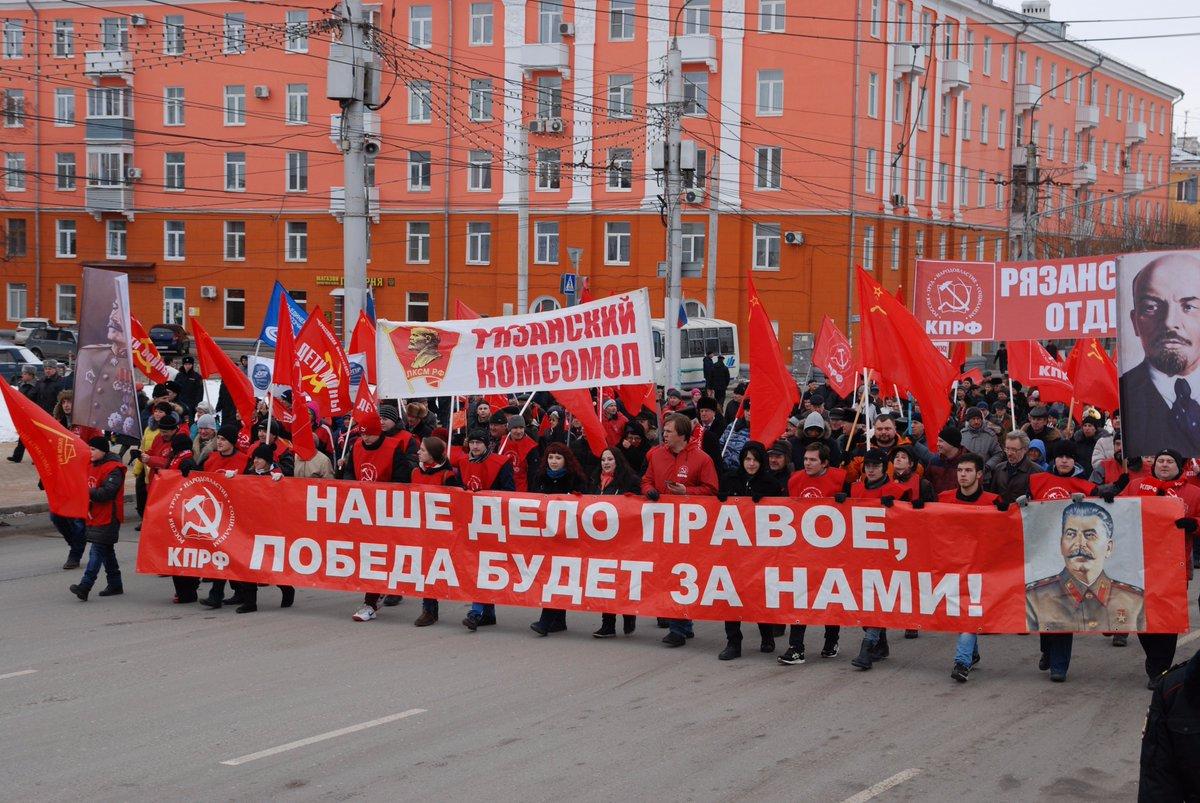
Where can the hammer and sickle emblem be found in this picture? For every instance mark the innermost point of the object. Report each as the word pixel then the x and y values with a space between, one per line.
pixel 953 296
pixel 207 526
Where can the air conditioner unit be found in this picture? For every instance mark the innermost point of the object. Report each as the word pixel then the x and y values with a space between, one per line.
pixel 693 196
pixel 899 200
pixel 555 125
pixel 537 126
pixel 566 29
pixel 208 291
pixel 137 20
pixel 794 237
pixel 133 173
pixel 262 91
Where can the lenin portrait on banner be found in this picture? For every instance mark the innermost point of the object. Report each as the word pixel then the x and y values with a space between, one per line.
pixel 1159 351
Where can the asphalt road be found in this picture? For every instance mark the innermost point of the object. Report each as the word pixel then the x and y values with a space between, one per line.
pixel 133 698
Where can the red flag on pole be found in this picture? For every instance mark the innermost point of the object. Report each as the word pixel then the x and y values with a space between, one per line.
pixel 579 404
pixel 145 355
pixel 464 313
pixel 772 392
pixel 1093 374
pixel 362 341
pixel 635 397
pixel 958 354
pixel 365 412
pixel 894 342
pixel 835 358
pixel 304 443
pixel 237 384
pixel 284 346
pixel 60 456
pixel 324 369
pixel 1030 364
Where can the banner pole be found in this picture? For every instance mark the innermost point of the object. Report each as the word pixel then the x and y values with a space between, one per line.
pixel 270 411
pixel 450 432
pixel 1012 405
pixel 733 423
pixel 524 407
pixel 1071 416
pixel 867 403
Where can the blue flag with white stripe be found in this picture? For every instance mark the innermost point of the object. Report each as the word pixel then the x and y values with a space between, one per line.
pixel 270 327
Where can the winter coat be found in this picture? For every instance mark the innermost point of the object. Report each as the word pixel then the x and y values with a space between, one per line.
pixel 737 434
pixel 319 466
pixel 691 467
pixel 1085 447
pixel 1104 449
pixel 1170 765
pixel 105 493
pixel 740 484
pixel 1011 482
pixel 46 390
pixel 626 483
pixel 568 483
pixel 191 390
pixel 982 442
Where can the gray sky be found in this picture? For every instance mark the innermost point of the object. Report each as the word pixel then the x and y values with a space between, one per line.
pixel 1169 60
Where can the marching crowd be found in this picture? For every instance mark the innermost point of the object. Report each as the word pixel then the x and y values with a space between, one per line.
pixel 697 443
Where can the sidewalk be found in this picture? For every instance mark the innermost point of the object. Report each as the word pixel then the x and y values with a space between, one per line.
pixel 19 482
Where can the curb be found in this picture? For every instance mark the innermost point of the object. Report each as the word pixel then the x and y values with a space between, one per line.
pixel 36 507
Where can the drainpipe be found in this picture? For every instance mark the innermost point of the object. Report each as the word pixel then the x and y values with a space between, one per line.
pixel 853 161
pixel 446 205
pixel 37 159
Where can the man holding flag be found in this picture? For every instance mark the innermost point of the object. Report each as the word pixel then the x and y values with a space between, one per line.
pixel 106 511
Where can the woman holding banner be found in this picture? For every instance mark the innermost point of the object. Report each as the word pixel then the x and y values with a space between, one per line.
pixel 433 469
pixel 614 477
pixel 559 473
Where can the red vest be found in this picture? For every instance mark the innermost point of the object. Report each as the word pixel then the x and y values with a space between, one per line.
pixel 951 497
pixel 859 490
pixel 1044 486
pixel 101 514
pixel 215 463
pixel 439 477
pixel 479 475
pixel 518 453
pixel 801 485
pixel 911 486
pixel 375 465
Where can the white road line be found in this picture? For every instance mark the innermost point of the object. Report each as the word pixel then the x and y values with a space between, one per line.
pixel 1190 637
pixel 883 786
pixel 18 674
pixel 283 748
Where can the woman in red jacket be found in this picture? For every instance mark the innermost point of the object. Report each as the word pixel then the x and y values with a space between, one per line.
pixel 614 477
pixel 433 468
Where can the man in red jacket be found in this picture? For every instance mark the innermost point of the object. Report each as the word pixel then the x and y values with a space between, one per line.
pixel 677 468
pixel 613 422
pixel 106 511
pixel 481 470
pixel 376 458
pixel 522 451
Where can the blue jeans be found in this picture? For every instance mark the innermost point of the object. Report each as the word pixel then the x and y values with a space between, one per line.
pixel 964 651
pixel 682 627
pixel 102 555
pixel 1057 647
pixel 483 609
pixel 871 635
pixel 74 532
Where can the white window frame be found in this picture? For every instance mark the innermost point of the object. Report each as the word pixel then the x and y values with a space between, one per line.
pixel 696 18
pixel 297 104
pixel 621 20
pixel 14 39
pixel 173 35
pixel 235 171
pixel 868 246
pixel 768 242
pixel 296 168
pixel 16 300
pixel 479 100
pixel 61 294
pixel 235 105
pixel 479 171
pixel 172 166
pixel 15 174
pixel 420 102
pixel 230 298
pixel 116 239
pixel 414 300
pixel 417 242
pixel 65 180
pixel 895 249
pixel 296 22
pixel 174 240
pixel 872 168
pixel 235 237
pixel 546 242
pixel 618 240
pixel 295 234
pixel 420 27
pixel 483 21
pixel 873 96
pixel 420 171
pixel 66 239
pixel 234 30
pixel 64 39
pixel 174 105
pixel 620 97
pixel 770 93
pixel 549 170
pixel 619 173
pixel 772 16
pixel 479 242
pixel 768 168
pixel 64 117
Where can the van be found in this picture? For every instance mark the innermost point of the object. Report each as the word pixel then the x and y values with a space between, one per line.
pixel 25 326
pixel 698 337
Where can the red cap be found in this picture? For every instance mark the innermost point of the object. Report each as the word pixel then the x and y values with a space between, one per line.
pixel 371 425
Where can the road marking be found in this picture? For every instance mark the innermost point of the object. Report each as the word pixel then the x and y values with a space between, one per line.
pixel 883 786
pixel 283 748
pixel 1190 637
pixel 18 674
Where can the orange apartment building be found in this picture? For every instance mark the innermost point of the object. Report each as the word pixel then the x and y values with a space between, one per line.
pixel 191 146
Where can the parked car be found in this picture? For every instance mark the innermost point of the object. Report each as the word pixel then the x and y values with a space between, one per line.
pixel 25 326
pixel 170 338
pixel 12 358
pixel 59 344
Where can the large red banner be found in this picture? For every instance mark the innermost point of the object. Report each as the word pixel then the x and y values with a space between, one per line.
pixel 1048 299
pixel 945 567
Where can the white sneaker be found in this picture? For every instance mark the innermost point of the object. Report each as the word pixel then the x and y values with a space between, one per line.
pixel 364 614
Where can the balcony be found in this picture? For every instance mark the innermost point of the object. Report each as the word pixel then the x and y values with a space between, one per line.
pixel 1086 117
pixel 956 74
pixel 108 129
pixel 1135 133
pixel 105 63
pixel 98 200
pixel 1135 182
pixel 1026 96
pixel 910 57
pixel 1085 173
pixel 370 125
pixel 550 56
pixel 699 48
pixel 337 203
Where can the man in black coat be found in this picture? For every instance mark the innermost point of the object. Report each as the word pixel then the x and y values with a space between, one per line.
pixel 25 384
pixel 46 389
pixel 716 376
pixel 191 386
pixel 1170 766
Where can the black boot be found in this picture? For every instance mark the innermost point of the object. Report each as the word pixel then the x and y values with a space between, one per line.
pixel 733 649
pixel 111 591
pixel 863 659
pixel 210 601
pixel 629 624
pixel 81 591
pixel 289 596
pixel 881 651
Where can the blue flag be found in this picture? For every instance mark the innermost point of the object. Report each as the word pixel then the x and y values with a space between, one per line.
pixel 370 306
pixel 271 322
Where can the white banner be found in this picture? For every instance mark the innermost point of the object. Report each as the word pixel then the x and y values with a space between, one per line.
pixel 601 343
pixel 260 370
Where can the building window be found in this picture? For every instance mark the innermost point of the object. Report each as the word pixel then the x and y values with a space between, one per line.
pixel 766 246
pixel 66 308
pixel 173 105
pixel 479 170
pixel 64 107
pixel 895 249
pixel 549 168
pixel 416 306
pixel 297 31
pixel 770 92
pixel 695 18
pixel 174 242
pixel 418 243
pixel 984 122
pixel 768 169
pixel 919 244
pixel 966 120
pixel 115 239
pixel 981 191
pixel 944 116
pixel 235 171
pixel 420 26
pixel 545 243
pixel 695 93
pixel 876 11
pixel 16 243
pixel 1185 191
pixel 173 42
pixel 618 240
pixel 919 180
pixel 297 171
pixel 14 39
pixel 963 245
pixel 479 243
pixel 173 171
pixel 14 108
pixel 868 253
pixel 987 55
pixel 549 96
pixel 549 20
pixel 544 304
pixel 174 304
pixel 114 34
pixel 1002 129
pixel 296 245
pixel 64 171
pixel 1004 63
pixel 620 97
pixel 943 182
pixel 235 308
pixel 872 95
pixel 482 21
pixel 109 102
pixel 872 168
pixel 772 14
pixel 235 240
pixel 14 172
pixel 480 99
pixel 620 20
pixel 64 238
pixel 693 247
pixel 961 198
pixel 420 176
pixel 420 102
pixel 694 179
pixel 64 39
pixel 297 104
pixel 235 105
pixel 235 33
pixel 898 105
pixel 620 168
pixel 18 300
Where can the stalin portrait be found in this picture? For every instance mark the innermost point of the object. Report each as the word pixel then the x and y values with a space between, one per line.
pixel 1082 598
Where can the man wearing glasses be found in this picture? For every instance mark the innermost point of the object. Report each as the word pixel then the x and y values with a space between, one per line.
pixel 1010 479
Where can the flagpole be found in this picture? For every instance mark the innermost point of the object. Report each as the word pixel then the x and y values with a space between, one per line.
pixel 450 431
pixel 524 407
pixel 867 404
pixel 736 416
pixel 857 412
pixel 1071 416
pixel 1012 404
pixel 270 411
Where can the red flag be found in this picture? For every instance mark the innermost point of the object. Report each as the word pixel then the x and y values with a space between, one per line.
pixel 284 346
pixel 835 358
pixel 237 384
pixel 1094 375
pixel 635 397
pixel 894 342
pixel 366 411
pixel 464 313
pixel 1030 364
pixel 281 413
pixel 362 341
pixel 60 456
pixel 145 356
pixel 458 420
pixel 324 369
pixel 958 354
pixel 772 392
pixel 579 404
pixel 304 444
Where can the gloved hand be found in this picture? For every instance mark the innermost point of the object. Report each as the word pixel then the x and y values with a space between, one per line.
pixel 1075 497
pixel 756 498
pixel 186 468
pixel 1186 524
pixel 229 473
pixel 1023 500
pixel 276 476
pixel 887 501
pixel 918 503
pixel 1000 504
pixel 652 495
pixel 839 498
pixel 1107 497
pixel 722 496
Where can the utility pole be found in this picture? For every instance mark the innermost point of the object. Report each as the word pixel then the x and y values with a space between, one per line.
pixel 523 220
pixel 1029 226
pixel 674 201
pixel 714 190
